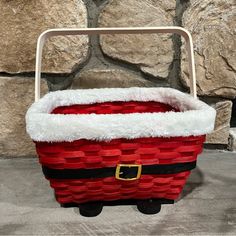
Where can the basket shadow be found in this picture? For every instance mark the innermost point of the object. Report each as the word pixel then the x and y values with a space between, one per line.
pixel 195 180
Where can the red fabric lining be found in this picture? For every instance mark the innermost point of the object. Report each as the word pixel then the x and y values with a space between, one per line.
pixel 114 108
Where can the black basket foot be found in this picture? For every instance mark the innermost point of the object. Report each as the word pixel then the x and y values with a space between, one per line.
pixel 149 206
pixel 69 205
pixel 90 209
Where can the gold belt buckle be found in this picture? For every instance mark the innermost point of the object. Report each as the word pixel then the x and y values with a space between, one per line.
pixel 122 168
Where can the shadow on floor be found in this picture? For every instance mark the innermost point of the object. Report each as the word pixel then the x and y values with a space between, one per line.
pixel 195 180
pixel 229 216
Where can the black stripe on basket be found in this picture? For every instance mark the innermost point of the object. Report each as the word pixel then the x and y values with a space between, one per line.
pixel 110 171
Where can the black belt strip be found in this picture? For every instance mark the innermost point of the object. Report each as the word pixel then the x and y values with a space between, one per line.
pixel 110 171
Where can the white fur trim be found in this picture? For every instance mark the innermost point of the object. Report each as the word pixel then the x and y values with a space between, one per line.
pixel 195 118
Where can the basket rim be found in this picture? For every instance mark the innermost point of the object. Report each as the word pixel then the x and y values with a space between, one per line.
pixel 195 117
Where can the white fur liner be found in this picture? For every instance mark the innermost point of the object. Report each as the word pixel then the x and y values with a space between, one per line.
pixel 195 118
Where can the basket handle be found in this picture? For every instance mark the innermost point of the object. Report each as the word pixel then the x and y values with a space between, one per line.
pixel 133 30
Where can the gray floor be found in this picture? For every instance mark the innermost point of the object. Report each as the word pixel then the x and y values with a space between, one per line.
pixel 207 207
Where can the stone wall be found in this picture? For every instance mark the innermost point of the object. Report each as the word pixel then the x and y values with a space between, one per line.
pixel 114 60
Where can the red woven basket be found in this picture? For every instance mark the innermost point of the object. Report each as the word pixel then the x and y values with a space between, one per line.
pixel 87 154
pixel 103 145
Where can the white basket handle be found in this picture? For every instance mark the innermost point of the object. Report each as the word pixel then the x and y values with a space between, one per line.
pixel 133 30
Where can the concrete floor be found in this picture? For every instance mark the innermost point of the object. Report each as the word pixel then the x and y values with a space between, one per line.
pixel 207 207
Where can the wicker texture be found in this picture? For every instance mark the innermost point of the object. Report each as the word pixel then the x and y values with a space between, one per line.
pixel 110 189
pixel 87 154
pixel 92 154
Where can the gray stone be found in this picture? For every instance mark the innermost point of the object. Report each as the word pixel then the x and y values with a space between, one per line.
pixel 153 54
pixel 22 21
pixel 212 24
pixel 109 78
pixel 16 95
pixel 232 139
pixel 222 125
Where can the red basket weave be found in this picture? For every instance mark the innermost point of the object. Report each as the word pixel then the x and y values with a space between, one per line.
pixel 87 154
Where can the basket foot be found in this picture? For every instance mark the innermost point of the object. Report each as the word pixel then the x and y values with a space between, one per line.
pixel 69 205
pixel 90 209
pixel 149 206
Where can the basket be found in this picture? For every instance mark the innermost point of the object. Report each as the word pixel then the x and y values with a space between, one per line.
pixel 104 145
